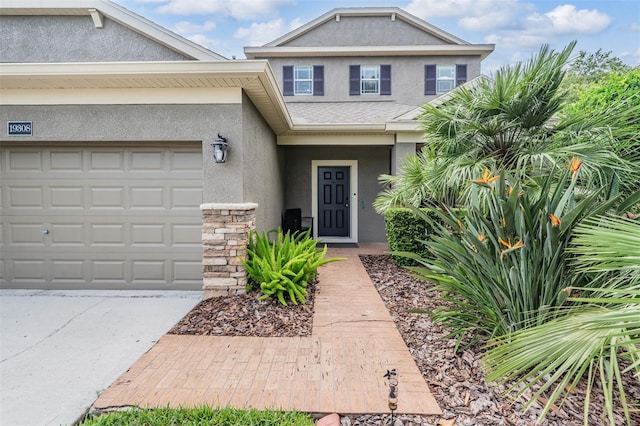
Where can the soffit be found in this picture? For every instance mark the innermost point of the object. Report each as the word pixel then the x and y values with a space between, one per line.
pixel 254 77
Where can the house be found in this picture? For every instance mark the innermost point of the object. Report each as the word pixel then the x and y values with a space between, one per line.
pixel 108 153
pixel 353 80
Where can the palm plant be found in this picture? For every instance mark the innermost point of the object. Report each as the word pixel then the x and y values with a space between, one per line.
pixel 515 122
pixel 595 338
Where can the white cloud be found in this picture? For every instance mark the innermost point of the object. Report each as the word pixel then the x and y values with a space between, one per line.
pixel 185 27
pixel 238 9
pixel 488 21
pixel 635 26
pixel 259 33
pixel 568 20
pixel 475 15
pixel 203 40
pixel 565 21
pixel 632 58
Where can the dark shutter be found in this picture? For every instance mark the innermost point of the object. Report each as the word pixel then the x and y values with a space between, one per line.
pixel 354 79
pixel 385 79
pixel 287 80
pixel 461 74
pixel 429 79
pixel 318 80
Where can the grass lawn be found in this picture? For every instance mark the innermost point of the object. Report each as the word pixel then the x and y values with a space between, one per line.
pixel 199 416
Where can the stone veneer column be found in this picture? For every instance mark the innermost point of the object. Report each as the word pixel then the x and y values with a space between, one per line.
pixel 225 233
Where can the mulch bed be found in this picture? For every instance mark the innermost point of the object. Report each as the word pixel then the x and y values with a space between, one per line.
pixel 245 315
pixel 456 379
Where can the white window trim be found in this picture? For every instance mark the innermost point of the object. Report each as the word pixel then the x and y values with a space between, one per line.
pixel 353 199
pixel 438 79
pixel 362 80
pixel 295 80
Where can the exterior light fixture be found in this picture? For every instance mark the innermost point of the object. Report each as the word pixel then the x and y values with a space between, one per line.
pixel 220 149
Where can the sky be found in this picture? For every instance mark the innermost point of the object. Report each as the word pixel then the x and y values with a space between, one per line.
pixel 518 28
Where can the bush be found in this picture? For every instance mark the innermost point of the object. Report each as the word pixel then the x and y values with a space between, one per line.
pixel 506 267
pixel 406 232
pixel 284 266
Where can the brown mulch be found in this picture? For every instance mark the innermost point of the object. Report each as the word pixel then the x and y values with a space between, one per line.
pixel 456 379
pixel 245 315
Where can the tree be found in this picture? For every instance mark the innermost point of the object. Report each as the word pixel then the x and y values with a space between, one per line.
pixel 591 67
pixel 513 122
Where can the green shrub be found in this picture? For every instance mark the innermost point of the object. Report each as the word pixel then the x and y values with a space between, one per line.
pixel 505 267
pixel 199 416
pixel 284 266
pixel 406 232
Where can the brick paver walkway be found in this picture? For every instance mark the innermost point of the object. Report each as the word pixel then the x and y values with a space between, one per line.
pixel 339 368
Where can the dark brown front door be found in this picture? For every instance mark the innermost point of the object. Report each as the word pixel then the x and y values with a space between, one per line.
pixel 333 201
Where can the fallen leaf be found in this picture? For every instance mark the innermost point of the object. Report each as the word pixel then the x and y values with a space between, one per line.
pixel 446 422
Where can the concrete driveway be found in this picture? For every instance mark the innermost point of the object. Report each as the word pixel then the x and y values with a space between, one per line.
pixel 60 349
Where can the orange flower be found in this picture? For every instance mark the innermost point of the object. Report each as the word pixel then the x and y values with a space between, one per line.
pixel 481 237
pixel 509 247
pixel 505 243
pixel 486 178
pixel 574 166
pixel 555 221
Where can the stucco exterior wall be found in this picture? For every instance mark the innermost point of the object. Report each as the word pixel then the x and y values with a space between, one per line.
pixel 263 167
pixel 407 76
pixel 75 39
pixel 372 161
pixel 135 123
pixel 365 31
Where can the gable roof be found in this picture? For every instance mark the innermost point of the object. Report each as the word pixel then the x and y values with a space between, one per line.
pixel 392 12
pixel 452 44
pixel 97 9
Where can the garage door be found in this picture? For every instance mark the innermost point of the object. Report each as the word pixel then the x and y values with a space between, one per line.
pixel 107 217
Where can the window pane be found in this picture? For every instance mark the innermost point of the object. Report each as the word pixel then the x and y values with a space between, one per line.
pixel 444 86
pixel 303 88
pixel 303 73
pixel 369 71
pixel 369 86
pixel 446 71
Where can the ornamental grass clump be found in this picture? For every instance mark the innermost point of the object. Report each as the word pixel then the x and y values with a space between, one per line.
pixel 504 265
pixel 285 266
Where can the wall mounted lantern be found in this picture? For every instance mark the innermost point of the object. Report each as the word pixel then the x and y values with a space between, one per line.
pixel 220 149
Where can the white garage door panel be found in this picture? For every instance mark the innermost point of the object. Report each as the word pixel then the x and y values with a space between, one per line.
pixel 101 217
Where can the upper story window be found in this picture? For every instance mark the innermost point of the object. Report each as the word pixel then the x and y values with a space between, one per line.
pixel 443 78
pixel 370 79
pixel 303 80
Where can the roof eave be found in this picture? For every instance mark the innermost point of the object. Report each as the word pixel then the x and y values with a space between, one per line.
pixel 482 50
pixel 256 78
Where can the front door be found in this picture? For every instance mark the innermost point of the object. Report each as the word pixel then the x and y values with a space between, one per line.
pixel 333 201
